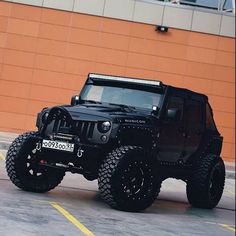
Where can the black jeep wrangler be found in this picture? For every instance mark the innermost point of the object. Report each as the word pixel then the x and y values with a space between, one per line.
pixel 130 134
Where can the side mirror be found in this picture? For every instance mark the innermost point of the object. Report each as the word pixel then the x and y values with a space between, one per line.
pixel 173 114
pixel 155 110
pixel 74 100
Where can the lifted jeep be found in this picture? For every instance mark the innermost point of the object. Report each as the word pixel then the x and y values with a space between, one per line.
pixel 130 134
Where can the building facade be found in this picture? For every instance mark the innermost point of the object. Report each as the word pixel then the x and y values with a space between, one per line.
pixel 47 48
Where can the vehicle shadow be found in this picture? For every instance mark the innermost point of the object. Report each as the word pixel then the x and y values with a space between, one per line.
pixel 69 196
pixel 75 196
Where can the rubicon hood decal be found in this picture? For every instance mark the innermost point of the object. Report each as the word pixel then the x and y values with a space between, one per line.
pixel 135 121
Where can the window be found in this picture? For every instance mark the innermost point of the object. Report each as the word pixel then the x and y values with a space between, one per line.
pixel 229 5
pixel 176 103
pixel 194 112
pixel 210 124
pixel 212 4
pixel 220 5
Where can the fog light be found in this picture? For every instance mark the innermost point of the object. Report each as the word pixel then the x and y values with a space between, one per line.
pixel 104 138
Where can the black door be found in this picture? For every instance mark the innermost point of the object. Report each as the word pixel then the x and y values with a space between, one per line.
pixel 172 133
pixel 194 126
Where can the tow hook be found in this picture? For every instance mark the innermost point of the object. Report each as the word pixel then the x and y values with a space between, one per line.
pixel 38 146
pixel 80 152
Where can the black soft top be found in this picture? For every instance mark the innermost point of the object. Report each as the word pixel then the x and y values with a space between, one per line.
pixel 188 94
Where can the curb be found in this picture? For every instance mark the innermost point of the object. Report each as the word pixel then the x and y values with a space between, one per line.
pixel 230 174
pixel 4 145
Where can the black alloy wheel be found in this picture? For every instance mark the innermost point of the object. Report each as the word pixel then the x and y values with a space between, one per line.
pixel 128 179
pixel 206 185
pixel 24 169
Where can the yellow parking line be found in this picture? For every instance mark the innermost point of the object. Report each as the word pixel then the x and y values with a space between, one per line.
pixel 229 191
pixel 72 219
pixel 2 158
pixel 230 228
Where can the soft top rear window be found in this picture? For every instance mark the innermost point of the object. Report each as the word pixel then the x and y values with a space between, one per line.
pixel 210 123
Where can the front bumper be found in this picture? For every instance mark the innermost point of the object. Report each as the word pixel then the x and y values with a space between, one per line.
pixel 85 159
pixel 81 151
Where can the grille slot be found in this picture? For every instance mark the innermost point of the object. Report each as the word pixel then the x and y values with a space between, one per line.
pixel 63 127
pixel 90 131
pixel 56 126
pixel 84 129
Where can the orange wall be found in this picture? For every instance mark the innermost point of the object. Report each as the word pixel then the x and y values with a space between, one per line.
pixel 45 56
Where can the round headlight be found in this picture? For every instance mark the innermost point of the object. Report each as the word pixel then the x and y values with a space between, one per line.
pixel 104 126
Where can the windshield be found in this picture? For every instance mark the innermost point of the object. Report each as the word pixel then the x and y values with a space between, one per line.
pixel 121 96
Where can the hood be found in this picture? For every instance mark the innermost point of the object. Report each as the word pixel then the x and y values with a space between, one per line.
pixel 100 112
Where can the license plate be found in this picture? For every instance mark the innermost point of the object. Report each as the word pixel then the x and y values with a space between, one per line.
pixel 57 145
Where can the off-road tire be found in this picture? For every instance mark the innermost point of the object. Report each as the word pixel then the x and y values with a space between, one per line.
pixel 114 179
pixel 206 185
pixel 17 161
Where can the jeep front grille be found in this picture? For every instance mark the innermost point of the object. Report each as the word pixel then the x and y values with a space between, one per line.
pixel 83 129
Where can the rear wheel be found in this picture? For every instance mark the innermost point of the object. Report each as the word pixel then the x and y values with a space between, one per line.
pixel 205 187
pixel 127 179
pixel 22 165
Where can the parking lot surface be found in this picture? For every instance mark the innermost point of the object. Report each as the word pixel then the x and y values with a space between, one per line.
pixel 75 208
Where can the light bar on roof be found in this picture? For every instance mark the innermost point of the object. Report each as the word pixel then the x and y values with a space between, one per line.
pixel 124 79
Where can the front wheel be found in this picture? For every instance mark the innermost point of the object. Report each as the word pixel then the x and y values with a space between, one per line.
pixel 205 187
pixel 128 179
pixel 22 165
